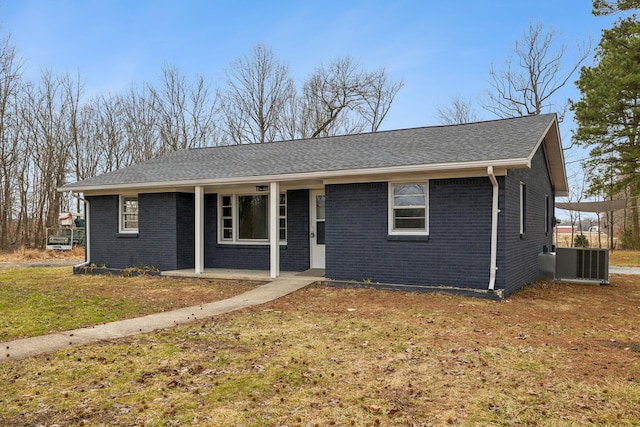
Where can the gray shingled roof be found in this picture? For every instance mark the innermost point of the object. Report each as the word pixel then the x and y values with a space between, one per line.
pixel 498 140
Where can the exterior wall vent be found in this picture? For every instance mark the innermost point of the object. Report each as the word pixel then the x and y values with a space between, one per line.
pixel 583 265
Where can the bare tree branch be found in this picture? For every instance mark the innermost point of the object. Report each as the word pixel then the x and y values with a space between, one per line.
pixel 459 111
pixel 529 86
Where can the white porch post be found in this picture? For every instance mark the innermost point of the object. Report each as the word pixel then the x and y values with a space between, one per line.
pixel 199 230
pixel 274 229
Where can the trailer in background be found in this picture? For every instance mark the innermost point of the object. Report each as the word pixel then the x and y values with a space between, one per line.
pixel 69 233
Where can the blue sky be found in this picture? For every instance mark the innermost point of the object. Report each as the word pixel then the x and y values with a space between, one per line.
pixel 440 49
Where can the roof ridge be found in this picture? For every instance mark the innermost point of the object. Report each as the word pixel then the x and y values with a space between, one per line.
pixel 386 131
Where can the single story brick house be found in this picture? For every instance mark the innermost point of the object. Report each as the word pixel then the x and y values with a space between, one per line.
pixel 466 206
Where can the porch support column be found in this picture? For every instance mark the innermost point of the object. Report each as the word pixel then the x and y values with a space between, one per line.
pixel 274 229
pixel 199 230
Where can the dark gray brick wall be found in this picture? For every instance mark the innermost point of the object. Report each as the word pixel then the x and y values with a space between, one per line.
pixel 185 226
pixel 457 252
pixel 521 254
pixel 155 244
pixel 293 257
pixel 103 228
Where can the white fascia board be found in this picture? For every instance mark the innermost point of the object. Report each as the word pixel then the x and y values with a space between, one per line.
pixel 557 170
pixel 416 176
pixel 323 175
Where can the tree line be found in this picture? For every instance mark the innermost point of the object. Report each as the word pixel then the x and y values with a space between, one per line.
pixel 51 133
pixel 608 115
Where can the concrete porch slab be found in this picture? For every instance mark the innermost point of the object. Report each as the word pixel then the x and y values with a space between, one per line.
pixel 233 274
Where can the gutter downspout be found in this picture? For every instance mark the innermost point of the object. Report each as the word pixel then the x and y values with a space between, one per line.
pixel 87 240
pixel 494 229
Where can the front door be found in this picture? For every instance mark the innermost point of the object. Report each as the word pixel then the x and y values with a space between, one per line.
pixel 316 228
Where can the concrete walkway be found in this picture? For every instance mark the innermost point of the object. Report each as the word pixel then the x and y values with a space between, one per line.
pixel 23 348
pixel 623 270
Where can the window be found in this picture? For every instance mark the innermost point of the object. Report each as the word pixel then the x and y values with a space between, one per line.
pixel 253 217
pixel 408 212
pixel 523 209
pixel 128 214
pixel 547 216
pixel 245 218
pixel 282 214
pixel 226 218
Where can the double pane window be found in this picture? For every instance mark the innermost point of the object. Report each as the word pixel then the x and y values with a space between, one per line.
pixel 129 214
pixel 408 208
pixel 246 217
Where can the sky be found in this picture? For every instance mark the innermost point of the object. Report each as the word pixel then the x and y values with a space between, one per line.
pixel 440 49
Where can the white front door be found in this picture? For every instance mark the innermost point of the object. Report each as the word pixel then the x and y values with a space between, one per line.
pixel 316 228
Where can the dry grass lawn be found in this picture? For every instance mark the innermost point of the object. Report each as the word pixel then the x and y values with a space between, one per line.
pixel 23 255
pixel 553 354
pixel 38 301
pixel 625 258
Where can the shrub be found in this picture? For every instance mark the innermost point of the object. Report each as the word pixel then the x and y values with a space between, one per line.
pixel 580 241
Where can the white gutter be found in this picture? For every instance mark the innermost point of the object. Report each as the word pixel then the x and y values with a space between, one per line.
pixel 494 229
pixel 87 240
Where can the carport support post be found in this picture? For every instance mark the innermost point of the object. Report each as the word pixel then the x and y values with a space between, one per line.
pixel 199 231
pixel 274 229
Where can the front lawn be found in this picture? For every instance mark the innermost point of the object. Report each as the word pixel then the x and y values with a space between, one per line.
pixel 554 354
pixel 38 301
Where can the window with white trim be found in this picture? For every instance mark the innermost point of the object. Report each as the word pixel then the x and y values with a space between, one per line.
pixel 408 212
pixel 226 218
pixel 282 214
pixel 547 215
pixel 244 218
pixel 128 208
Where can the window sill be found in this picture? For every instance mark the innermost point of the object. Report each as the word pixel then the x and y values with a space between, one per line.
pixel 249 243
pixel 408 237
pixel 125 235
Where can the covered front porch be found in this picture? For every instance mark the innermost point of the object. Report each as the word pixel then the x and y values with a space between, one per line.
pixel 255 231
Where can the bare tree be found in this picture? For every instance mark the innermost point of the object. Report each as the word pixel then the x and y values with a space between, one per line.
pixel 88 155
pixel 170 101
pixel 10 81
pixel 47 116
pixel 344 98
pixel 184 111
pixel 459 111
pixel 109 133
pixel 71 93
pixel 378 98
pixel 329 94
pixel 141 122
pixel 261 103
pixel 528 84
pixel 254 103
